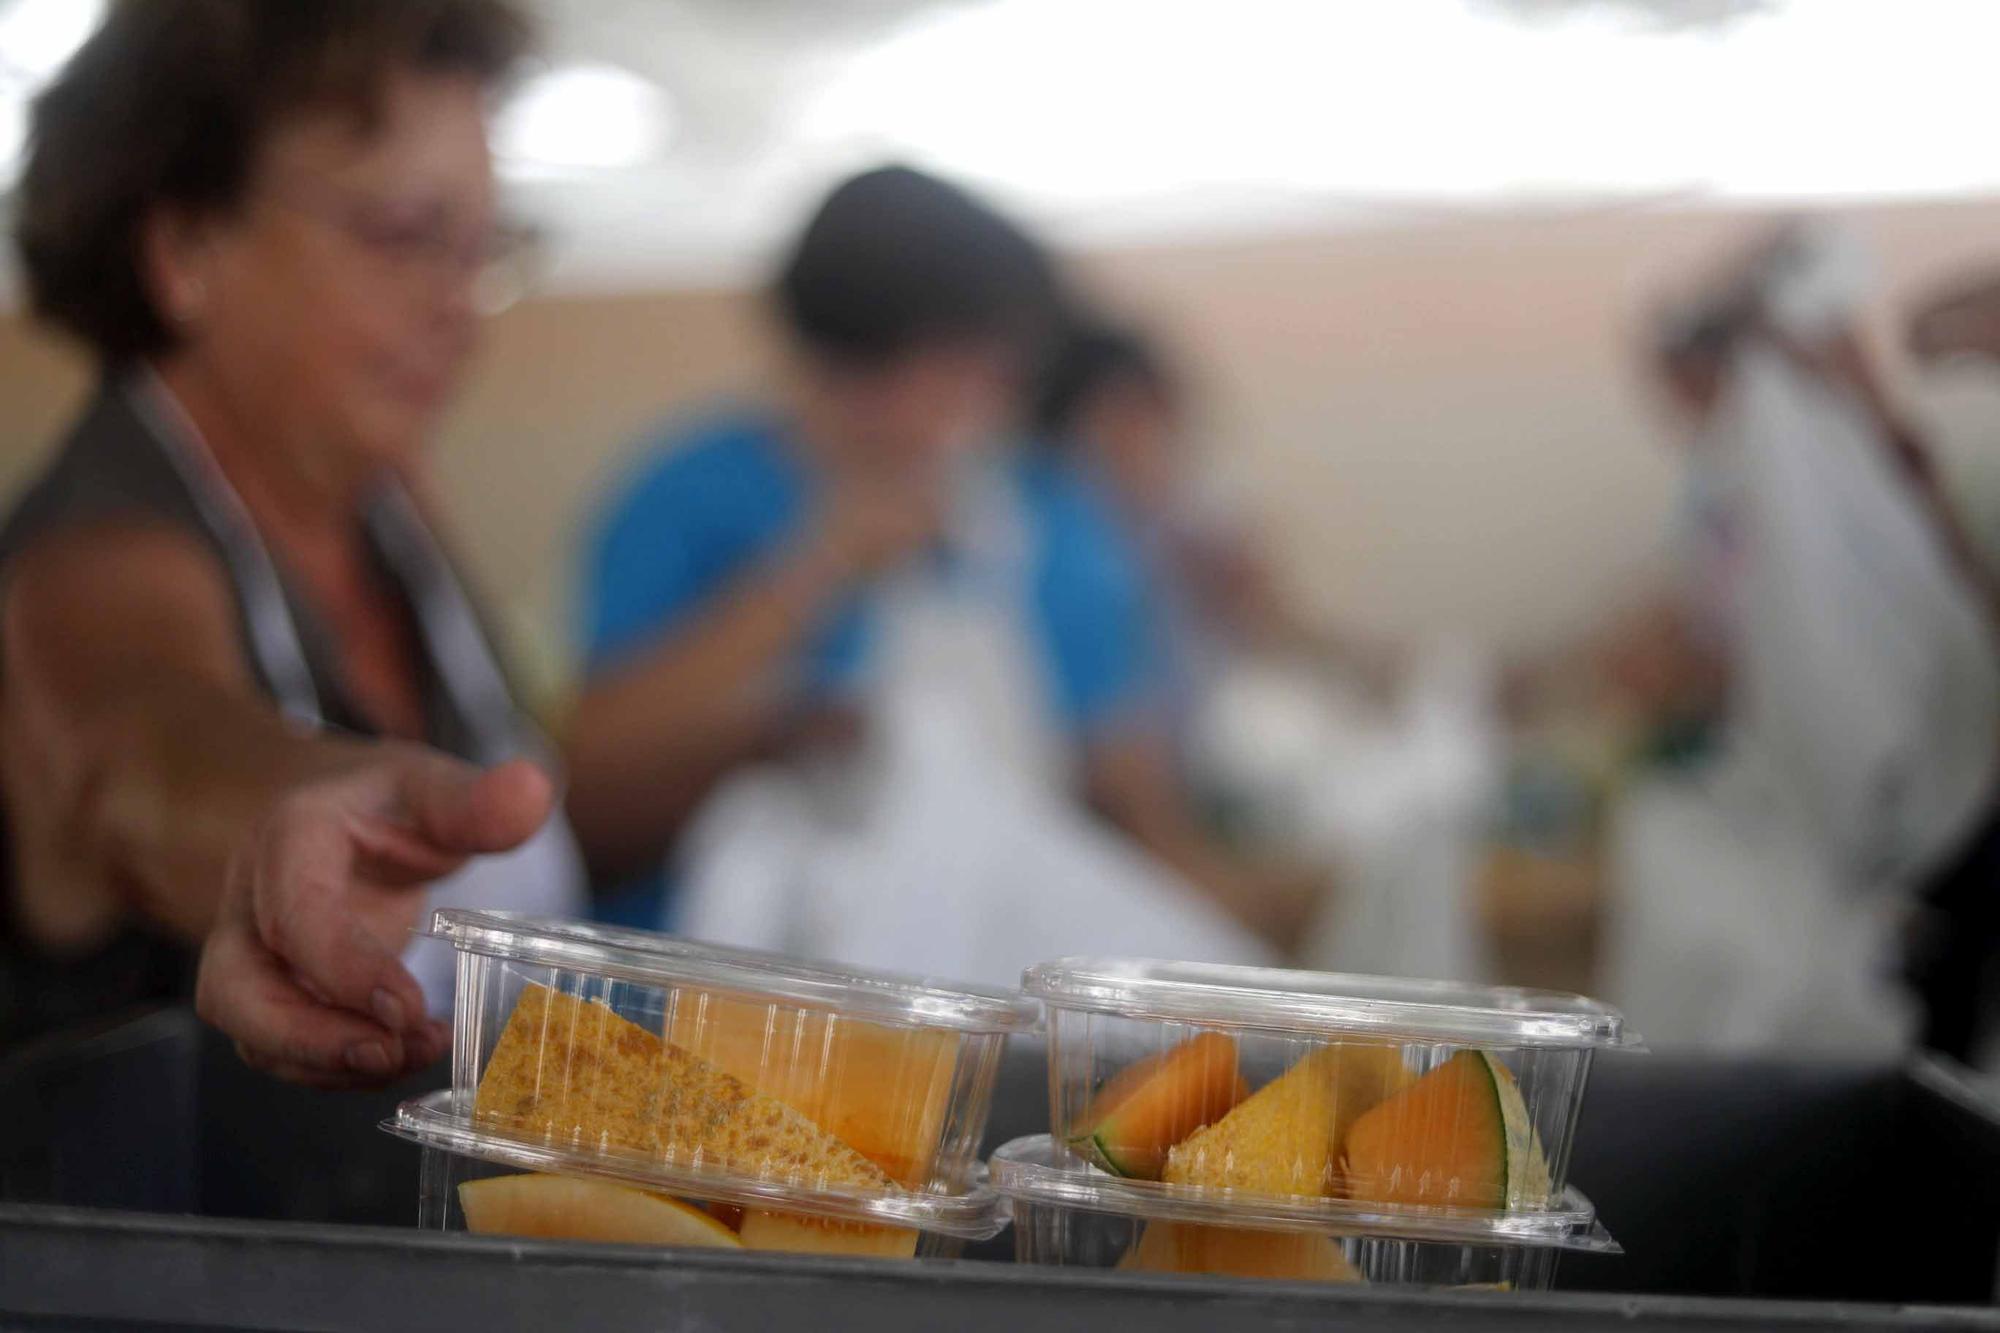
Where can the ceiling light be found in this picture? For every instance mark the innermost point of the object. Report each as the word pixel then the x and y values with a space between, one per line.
pixel 1431 99
pixel 38 36
pixel 583 118
pixel 13 139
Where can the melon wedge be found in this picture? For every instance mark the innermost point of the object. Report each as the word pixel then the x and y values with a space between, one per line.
pixel 1154 1104
pixel 1184 1247
pixel 1458 1136
pixel 884 1091
pixel 795 1233
pixel 566 1208
pixel 1284 1139
pixel 576 1072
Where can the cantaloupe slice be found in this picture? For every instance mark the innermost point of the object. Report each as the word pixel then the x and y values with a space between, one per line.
pixel 1285 1138
pixel 567 1208
pixel 577 1072
pixel 765 1229
pixel 881 1090
pixel 1458 1136
pixel 1185 1247
pixel 1150 1106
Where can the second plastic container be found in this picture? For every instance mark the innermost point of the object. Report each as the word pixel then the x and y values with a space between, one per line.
pixel 1265 1083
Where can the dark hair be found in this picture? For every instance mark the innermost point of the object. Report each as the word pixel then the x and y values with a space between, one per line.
pixel 169 104
pixel 895 259
pixel 1090 358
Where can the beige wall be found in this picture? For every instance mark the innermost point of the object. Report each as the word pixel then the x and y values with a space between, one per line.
pixel 1441 422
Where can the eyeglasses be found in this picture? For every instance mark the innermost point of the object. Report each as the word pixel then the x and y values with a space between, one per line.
pixel 423 242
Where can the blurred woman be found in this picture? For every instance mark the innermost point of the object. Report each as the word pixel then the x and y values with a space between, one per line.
pixel 246 707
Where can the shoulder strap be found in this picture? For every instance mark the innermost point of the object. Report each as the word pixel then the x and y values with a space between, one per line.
pixel 274 635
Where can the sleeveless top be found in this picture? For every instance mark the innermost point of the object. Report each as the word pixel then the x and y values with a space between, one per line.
pixel 134 457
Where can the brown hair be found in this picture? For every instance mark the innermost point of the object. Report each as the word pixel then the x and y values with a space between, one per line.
pixel 895 258
pixel 169 104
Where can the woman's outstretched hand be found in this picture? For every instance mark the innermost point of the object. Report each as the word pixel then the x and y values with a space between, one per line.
pixel 302 965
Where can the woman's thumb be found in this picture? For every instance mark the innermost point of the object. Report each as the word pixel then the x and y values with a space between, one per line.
pixel 466 810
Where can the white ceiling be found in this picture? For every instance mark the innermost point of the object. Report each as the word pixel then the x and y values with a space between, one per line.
pixel 1115 120
pixel 1122 120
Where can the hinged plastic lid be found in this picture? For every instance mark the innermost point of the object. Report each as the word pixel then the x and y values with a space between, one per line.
pixel 1328 1004
pixel 1032 1170
pixel 435 1121
pixel 667 960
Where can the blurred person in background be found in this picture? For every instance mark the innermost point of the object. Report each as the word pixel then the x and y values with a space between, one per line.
pixel 1834 614
pixel 248 709
pixel 1112 403
pixel 1310 748
pixel 849 658
pixel 1954 959
pixel 1962 319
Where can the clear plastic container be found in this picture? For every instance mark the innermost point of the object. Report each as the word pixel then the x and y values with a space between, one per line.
pixel 1261 1084
pixel 701 1068
pixel 1089 1219
pixel 474 1181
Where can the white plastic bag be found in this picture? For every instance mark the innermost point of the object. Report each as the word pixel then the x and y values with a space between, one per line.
pixel 1726 933
pixel 1866 673
pixel 1398 800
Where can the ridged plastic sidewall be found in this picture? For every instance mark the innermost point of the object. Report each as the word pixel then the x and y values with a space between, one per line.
pixel 1056 1235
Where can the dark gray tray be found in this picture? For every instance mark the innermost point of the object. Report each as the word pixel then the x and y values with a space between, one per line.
pixel 86 1269
pixel 1749 1179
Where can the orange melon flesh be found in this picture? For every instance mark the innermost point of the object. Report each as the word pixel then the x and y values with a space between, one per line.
pixel 794 1233
pixel 1154 1104
pixel 883 1091
pixel 566 1208
pixel 576 1072
pixel 1185 1247
pixel 1285 1138
pixel 1458 1136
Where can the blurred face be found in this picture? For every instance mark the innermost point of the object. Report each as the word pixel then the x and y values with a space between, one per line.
pixel 1692 384
pixel 333 312
pixel 1131 434
pixel 926 408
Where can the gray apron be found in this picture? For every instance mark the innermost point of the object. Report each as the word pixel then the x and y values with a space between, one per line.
pixel 544 875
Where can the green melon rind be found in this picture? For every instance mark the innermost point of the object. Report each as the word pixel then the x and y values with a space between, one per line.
pixel 1525 1167
pixel 1099 1153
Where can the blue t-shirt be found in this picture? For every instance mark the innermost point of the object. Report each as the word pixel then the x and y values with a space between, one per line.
pixel 705 505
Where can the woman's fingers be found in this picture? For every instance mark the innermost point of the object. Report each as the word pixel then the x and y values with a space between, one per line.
pixel 245 990
pixel 302 967
pixel 299 1074
pixel 426 1045
pixel 307 909
pixel 336 884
